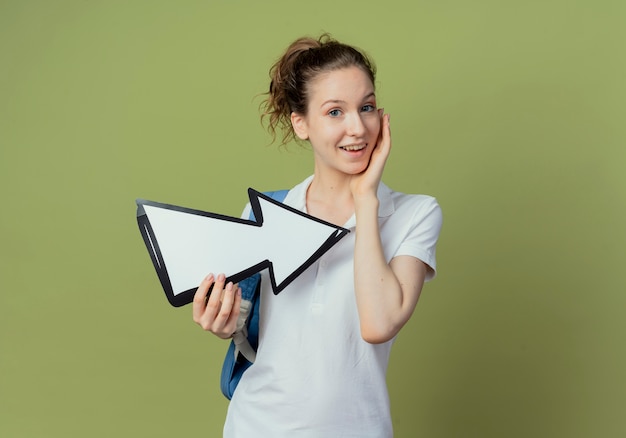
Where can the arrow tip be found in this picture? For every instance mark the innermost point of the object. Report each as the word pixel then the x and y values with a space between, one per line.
pixel 140 210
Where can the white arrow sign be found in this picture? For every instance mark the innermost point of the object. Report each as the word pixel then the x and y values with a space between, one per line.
pixel 185 244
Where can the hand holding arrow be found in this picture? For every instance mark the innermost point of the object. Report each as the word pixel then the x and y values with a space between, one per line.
pixel 186 244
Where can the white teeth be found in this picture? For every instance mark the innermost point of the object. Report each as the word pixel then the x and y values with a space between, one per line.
pixel 353 147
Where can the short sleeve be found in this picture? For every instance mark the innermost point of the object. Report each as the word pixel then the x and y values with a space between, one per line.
pixel 423 232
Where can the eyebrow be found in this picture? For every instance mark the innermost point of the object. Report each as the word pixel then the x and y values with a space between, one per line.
pixel 370 95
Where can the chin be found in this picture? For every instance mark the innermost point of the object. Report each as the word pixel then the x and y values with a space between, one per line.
pixel 357 170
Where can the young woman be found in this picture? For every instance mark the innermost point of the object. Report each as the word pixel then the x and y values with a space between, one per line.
pixel 325 340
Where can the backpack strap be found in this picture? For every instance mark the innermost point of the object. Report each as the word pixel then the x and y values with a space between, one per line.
pixel 249 302
pixel 278 195
pixel 249 293
pixel 246 336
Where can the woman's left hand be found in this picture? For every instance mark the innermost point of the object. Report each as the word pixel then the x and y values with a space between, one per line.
pixel 366 183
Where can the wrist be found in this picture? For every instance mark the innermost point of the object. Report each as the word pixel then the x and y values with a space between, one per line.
pixel 365 201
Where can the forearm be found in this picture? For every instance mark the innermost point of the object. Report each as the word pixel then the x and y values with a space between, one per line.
pixel 379 294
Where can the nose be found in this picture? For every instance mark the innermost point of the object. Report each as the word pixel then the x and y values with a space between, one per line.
pixel 355 125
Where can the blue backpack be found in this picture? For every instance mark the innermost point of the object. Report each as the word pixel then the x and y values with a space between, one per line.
pixel 242 350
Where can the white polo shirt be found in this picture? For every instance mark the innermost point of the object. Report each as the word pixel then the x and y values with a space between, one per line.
pixel 314 375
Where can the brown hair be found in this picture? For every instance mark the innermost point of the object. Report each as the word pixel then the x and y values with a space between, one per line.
pixel 290 76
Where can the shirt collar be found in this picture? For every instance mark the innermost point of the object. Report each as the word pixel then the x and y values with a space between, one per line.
pixel 296 198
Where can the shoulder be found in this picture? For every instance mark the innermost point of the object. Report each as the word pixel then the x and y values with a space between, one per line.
pixel 422 213
pixel 414 200
pixel 414 226
pixel 409 206
pixel 294 197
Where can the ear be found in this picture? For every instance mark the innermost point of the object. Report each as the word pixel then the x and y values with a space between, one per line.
pixel 298 123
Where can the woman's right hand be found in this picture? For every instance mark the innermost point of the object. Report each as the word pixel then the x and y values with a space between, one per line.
pixel 218 314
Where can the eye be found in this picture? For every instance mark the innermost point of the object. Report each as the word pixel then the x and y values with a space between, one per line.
pixel 334 113
pixel 368 108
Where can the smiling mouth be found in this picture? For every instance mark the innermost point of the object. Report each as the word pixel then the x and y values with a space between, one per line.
pixel 353 147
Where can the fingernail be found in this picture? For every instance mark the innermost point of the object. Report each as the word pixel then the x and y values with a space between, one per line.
pixel 221 277
pixel 229 286
pixel 209 277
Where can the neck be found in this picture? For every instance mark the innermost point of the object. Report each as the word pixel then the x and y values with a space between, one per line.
pixel 329 197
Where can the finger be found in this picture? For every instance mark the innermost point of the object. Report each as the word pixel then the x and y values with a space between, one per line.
pixel 236 309
pixel 223 321
pixel 385 138
pixel 381 152
pixel 226 305
pixel 381 113
pixel 385 128
pixel 214 302
pixel 199 298
pixel 387 125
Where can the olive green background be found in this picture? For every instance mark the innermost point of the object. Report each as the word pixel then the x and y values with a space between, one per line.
pixel 511 113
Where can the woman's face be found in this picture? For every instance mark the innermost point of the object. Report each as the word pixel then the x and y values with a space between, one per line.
pixel 342 123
